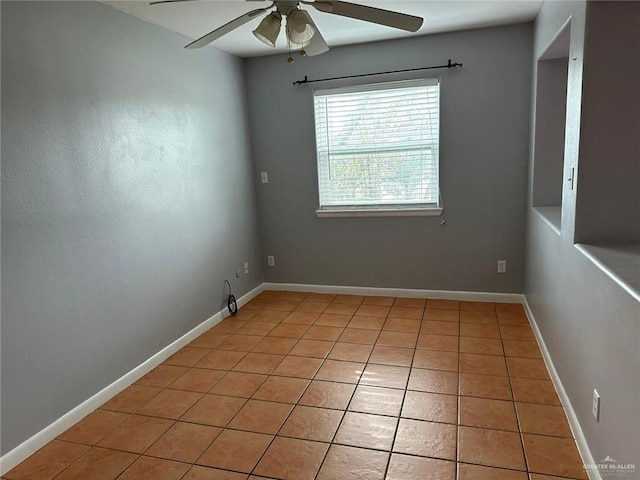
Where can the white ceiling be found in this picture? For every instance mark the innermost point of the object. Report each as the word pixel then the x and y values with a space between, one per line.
pixel 194 19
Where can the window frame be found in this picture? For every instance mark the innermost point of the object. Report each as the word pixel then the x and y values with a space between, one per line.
pixel 380 210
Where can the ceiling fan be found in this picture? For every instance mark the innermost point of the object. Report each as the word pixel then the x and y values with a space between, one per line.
pixel 301 32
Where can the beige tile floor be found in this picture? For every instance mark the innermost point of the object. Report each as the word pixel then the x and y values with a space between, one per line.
pixel 304 386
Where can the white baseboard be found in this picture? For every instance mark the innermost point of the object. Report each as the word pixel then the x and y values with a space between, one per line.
pixel 576 429
pixel 49 433
pixel 399 292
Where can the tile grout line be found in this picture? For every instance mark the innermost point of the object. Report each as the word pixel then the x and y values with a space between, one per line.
pixel 243 405
pixel 459 399
pixel 513 400
pixel 239 409
pixel 163 433
pixel 138 455
pixel 293 407
pixel 289 414
pixel 344 414
pixel 404 396
pixel 363 448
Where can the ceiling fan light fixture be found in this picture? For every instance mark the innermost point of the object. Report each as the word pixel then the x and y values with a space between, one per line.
pixel 269 29
pixel 296 46
pixel 300 27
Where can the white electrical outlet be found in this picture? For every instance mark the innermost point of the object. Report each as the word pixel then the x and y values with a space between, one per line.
pixel 596 405
pixel 502 266
pixel 238 273
pixel 246 268
pixel 271 261
pixel 264 177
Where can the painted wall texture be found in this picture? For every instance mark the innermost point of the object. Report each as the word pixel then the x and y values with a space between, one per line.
pixel 483 156
pixel 551 101
pixel 608 203
pixel 127 198
pixel 589 323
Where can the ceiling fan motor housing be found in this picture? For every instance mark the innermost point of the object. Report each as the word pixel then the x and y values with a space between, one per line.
pixel 285 7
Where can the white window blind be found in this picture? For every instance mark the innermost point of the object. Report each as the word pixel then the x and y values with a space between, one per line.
pixel 377 146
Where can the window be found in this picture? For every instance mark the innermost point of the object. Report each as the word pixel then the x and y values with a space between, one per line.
pixel 377 148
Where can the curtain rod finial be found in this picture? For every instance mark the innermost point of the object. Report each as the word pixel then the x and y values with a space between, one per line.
pixel 300 82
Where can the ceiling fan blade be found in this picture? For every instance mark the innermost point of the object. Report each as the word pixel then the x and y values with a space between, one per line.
pixel 226 28
pixel 317 45
pixel 369 14
pixel 156 2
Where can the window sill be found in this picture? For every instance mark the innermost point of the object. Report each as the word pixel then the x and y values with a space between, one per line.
pixel 401 212
pixel 620 262
pixel 552 215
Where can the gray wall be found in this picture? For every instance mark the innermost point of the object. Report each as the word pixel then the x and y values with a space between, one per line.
pixel 127 197
pixel 551 102
pixel 484 143
pixel 590 325
pixel 608 203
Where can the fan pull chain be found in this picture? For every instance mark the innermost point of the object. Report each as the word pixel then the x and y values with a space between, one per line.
pixel 290 59
pixel 303 52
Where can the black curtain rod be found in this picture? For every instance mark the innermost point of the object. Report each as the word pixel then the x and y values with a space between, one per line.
pixel 306 80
